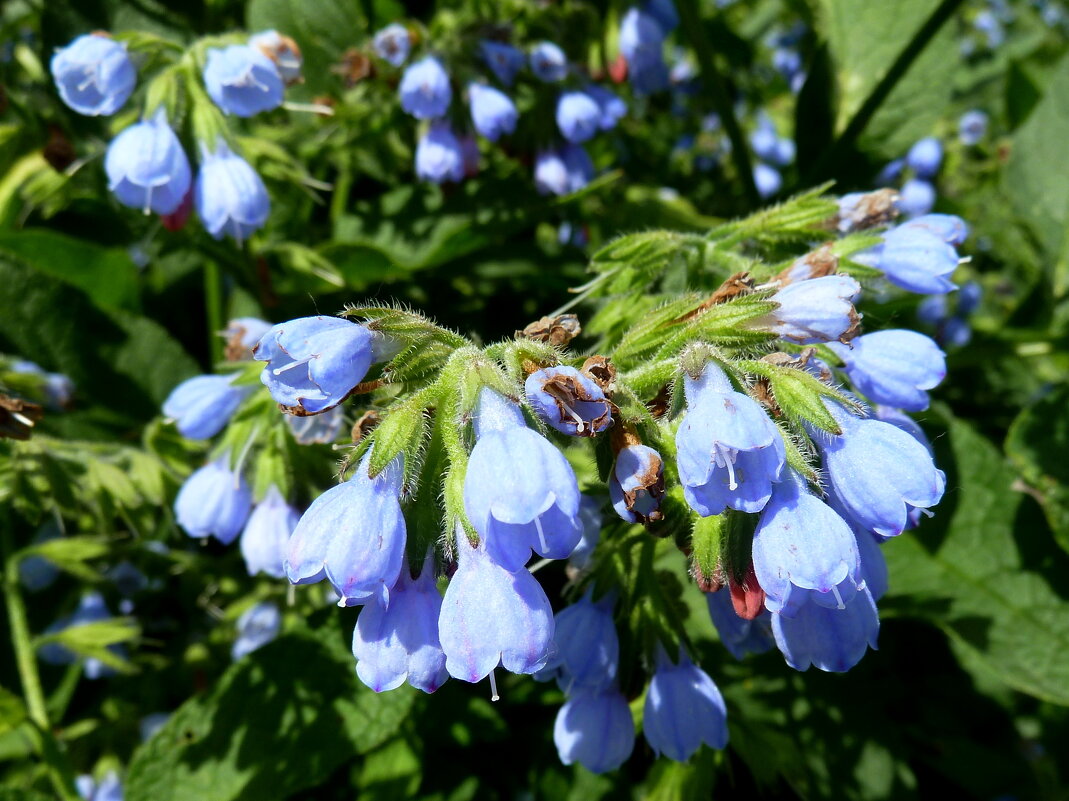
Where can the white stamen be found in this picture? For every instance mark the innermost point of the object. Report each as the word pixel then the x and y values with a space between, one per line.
pixel 838 597
pixel 26 421
pixel 291 365
pixel 493 688
pixel 725 457
pixel 579 422
pixel 541 534
pixel 90 80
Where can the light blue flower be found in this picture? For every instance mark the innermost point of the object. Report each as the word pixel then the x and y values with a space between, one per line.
pixel 257 626
pixel 108 789
pixel 520 492
pixel 895 367
pixel 767 180
pixel 492 111
pixel 641 43
pixel 595 729
pixel 492 616
pixel 201 406
pixel 587 647
pixel 613 107
pixel 229 195
pixel 591 519
pixel 548 62
pixel 93 74
pixel 828 638
pixel 504 60
pixel 393 43
pixel 972 127
pixel 425 90
pixel 214 501
pixel 283 51
pixel 739 635
pixel 925 157
pixel 354 536
pixel 578 166
pixel 950 228
pixel 439 157
pixel 816 310
pixel 313 363
pixel 729 451
pixel 914 258
pixel 550 173
pixel 242 81
pixel 147 168
pixel 578 116
pixel 683 709
pixel 916 197
pixel 398 642
pixel 265 539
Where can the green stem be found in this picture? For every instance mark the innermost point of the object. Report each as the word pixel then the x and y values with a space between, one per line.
pixel 837 153
pixel 692 28
pixel 213 306
pixel 21 640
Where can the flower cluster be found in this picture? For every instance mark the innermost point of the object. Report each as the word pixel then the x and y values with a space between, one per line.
pixel 781 474
pixel 146 164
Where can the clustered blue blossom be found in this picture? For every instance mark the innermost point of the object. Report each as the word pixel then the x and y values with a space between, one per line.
pixel 147 167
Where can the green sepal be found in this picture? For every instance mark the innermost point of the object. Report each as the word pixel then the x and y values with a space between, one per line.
pixel 799 394
pixel 424 511
pixel 401 432
pixel 736 545
pixel 706 542
pixel 166 91
pixel 272 467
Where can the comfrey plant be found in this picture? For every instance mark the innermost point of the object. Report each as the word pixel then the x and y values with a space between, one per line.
pixel 752 425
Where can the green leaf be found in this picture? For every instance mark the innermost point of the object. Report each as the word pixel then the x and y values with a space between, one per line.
pixel 71 553
pixel 92 640
pixel 985 577
pixel 280 720
pixel 1039 194
pixel 1037 444
pixel 12 711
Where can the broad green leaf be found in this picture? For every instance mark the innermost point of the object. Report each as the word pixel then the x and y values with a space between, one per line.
pixel 1038 444
pixel 1041 194
pixel 982 578
pixel 280 720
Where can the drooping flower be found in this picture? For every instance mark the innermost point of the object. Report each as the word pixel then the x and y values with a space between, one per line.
pixel 613 107
pixel 257 626
pixel 972 127
pixel 664 11
pixel 548 62
pixel 802 548
pixel 313 363
pixel 266 536
pixel 578 116
pixel 642 46
pixel 895 367
pixel 577 165
pixel 550 173
pixel 729 451
pixel 439 157
pixel 492 616
pixel 520 492
pixel 568 401
pixel 398 641
pixel 949 227
pixel 591 519
pixel 739 635
pixel 393 43
pixel 229 195
pixel 242 81
pixel 925 157
pixel 877 472
pixel 283 51
pixel 916 198
pixel 425 90
pixel 242 334
pixel 94 75
pixel 683 709
pixel 504 60
pixel 587 647
pixel 594 728
pixel 767 180
pixel 915 258
pixel 214 501
pixel 828 638
pixel 492 111
pixel 817 310
pixel 108 788
pixel 636 484
pixel 202 405
pixel 353 535
pixel 147 168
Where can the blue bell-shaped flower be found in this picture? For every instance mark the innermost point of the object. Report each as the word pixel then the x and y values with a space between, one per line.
pixel 595 729
pixel 828 638
pixel 895 367
pixel 492 111
pixel 683 709
pixel 266 536
pixel 313 363
pixel 147 167
pixel 548 62
pixel 439 156
pixel 492 616
pixel 739 635
pixel 729 451
pixel 392 44
pixel 229 195
pixel 214 501
pixel 520 492
pixel 398 642
pixel 93 74
pixel 202 405
pixel 425 90
pixel 504 60
pixel 257 626
pixel 578 116
pixel 242 81
pixel 353 535
pixel 816 310
pixel 587 647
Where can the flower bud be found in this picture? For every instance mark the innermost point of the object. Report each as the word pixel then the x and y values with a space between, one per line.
pixel 925 157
